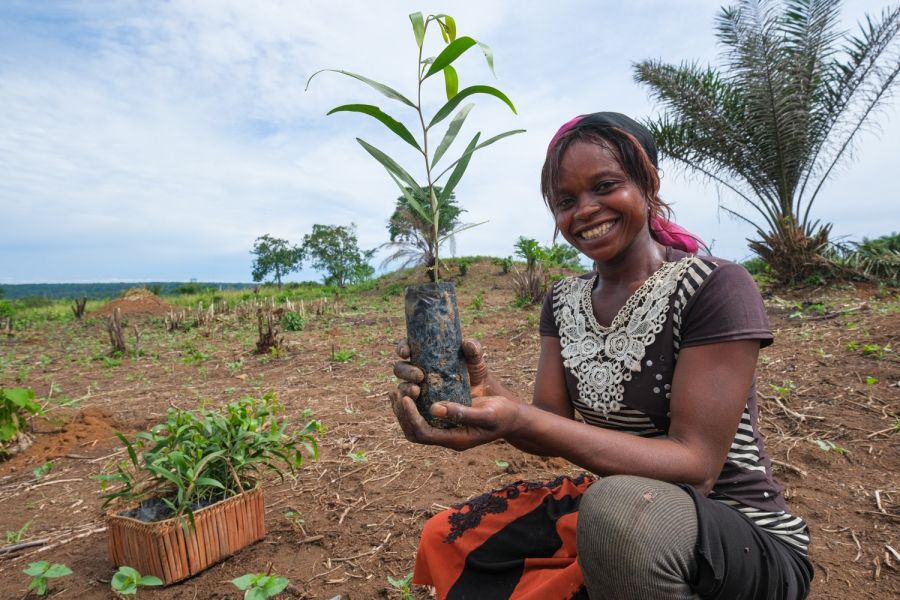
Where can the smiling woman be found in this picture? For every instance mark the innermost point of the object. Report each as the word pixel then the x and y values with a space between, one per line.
pixel 656 352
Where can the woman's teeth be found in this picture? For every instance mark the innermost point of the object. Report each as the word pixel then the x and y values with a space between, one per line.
pixel 597 231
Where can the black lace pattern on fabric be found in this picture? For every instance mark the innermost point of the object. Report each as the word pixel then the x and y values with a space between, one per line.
pixel 467 515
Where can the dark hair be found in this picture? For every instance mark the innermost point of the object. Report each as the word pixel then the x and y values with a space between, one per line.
pixel 628 153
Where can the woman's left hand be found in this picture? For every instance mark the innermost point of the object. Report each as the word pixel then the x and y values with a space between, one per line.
pixel 488 419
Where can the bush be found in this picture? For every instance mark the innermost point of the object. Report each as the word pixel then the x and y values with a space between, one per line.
pixel 293 321
pixel 505 264
pixel 879 258
pixel 188 288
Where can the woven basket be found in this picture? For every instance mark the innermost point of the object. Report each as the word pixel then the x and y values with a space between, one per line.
pixel 163 549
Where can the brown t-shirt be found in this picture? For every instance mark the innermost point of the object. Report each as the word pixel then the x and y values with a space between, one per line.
pixel 619 376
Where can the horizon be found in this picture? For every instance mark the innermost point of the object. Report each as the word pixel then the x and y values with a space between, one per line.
pixel 157 142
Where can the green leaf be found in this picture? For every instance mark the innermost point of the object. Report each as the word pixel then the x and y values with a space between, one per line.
pixel 373 111
pixel 245 581
pixel 255 594
pixel 131 454
pixel 458 171
pixel 39 585
pixel 208 482
pixel 450 26
pixel 418 25
pixel 384 89
pixel 488 56
pixel 453 51
pixel 58 570
pixel 452 130
pixel 276 585
pixel 475 89
pixel 451 81
pixel 483 144
pixel 37 568
pixel 460 229
pixel 23 398
pixel 150 580
pixel 389 163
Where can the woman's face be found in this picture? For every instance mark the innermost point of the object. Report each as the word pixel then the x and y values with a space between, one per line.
pixel 598 209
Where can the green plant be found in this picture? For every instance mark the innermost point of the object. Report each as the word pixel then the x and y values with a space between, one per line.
pixel 876 351
pixel 335 250
pixel 501 464
pixel 359 456
pixel 871 380
pixel 195 458
pixel 127 580
pixel 783 110
pixel 259 586
pixel 426 68
pixel 14 537
pixel 343 355
pixel 477 301
pixel 43 469
pixel 41 572
pixel 293 321
pixel 274 256
pixel 784 390
pixel 504 263
pixel 403 585
pixel 17 405
pixel 829 446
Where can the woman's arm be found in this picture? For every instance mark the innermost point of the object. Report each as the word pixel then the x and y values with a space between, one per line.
pixel 709 391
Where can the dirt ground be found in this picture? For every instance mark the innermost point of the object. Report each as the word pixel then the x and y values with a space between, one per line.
pixel 830 407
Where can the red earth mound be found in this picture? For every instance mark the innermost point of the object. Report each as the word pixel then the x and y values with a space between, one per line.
pixel 136 301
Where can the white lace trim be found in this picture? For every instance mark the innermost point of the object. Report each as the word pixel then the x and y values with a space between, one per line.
pixel 602 358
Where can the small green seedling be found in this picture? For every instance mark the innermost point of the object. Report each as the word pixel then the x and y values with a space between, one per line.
pixel 829 446
pixel 784 390
pixel 41 572
pixel 402 585
pixel 852 346
pixel 359 456
pixel 875 351
pixel 871 380
pixel 295 518
pixel 127 580
pixel 343 355
pixel 259 586
pixel 14 537
pixel 43 469
pixel 501 464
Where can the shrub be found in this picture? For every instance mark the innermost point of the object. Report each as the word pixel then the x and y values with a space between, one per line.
pixel 505 264
pixel 17 405
pixel 293 321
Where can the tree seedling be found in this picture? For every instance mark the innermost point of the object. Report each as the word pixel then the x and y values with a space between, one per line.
pixel 41 572
pixel 259 586
pixel 359 456
pixel 403 585
pixel 43 469
pixel 127 580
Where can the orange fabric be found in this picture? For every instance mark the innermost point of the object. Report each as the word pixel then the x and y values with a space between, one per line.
pixel 445 549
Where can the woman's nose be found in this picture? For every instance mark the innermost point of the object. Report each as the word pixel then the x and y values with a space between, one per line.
pixel 586 206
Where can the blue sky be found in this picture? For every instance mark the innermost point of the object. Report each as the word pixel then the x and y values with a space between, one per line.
pixel 147 141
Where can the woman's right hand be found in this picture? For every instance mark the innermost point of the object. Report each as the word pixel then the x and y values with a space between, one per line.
pixel 411 376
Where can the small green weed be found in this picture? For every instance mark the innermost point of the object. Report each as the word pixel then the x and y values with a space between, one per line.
pixel 43 469
pixel 784 390
pixel 477 301
pixel 829 446
pixel 501 464
pixel 259 586
pixel 14 537
pixel 234 367
pixel 41 572
pixel 127 580
pixel 343 355
pixel 871 380
pixel 111 361
pixel 294 518
pixel 359 456
pixel 402 585
pixel 876 351
pixel 852 346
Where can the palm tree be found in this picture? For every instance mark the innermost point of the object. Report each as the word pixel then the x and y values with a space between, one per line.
pixel 783 110
pixel 412 237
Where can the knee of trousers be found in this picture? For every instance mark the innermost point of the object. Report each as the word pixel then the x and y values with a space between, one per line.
pixel 624 515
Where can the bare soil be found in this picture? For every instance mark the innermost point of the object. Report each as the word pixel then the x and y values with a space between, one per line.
pixel 830 406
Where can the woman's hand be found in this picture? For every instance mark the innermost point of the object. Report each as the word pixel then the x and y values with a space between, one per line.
pixel 488 419
pixel 411 376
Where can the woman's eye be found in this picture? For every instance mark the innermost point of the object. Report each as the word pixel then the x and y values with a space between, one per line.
pixel 604 187
pixel 564 202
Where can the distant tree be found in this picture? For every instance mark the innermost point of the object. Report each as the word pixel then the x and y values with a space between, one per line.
pixel 334 249
pixel 562 255
pixel 411 236
pixel 274 256
pixel 784 109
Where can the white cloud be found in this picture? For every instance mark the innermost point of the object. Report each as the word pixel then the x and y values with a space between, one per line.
pixel 156 141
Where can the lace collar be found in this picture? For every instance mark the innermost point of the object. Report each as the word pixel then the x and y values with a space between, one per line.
pixel 602 358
